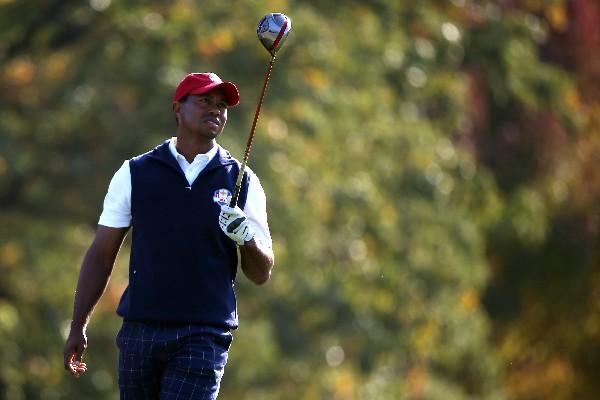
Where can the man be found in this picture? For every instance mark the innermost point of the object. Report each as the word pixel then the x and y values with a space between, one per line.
pixel 179 308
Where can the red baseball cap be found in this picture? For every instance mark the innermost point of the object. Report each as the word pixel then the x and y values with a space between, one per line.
pixel 202 82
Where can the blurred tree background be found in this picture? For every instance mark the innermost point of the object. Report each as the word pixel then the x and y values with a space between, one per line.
pixel 439 162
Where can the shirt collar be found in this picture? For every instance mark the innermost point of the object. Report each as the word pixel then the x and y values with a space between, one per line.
pixel 209 155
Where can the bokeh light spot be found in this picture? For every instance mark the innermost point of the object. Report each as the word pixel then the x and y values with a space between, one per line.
pixel 334 356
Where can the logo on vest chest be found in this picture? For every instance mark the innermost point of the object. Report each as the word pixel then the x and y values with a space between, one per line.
pixel 222 196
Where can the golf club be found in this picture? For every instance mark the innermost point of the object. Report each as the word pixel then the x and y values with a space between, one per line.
pixel 272 31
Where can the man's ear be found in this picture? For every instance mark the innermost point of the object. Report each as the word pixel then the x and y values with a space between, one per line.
pixel 176 108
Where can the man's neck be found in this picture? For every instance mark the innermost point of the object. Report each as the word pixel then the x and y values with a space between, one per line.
pixel 191 147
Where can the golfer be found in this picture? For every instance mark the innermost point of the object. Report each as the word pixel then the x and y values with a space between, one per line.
pixel 179 308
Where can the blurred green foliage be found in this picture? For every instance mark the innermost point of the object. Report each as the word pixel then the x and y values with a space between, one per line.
pixel 438 162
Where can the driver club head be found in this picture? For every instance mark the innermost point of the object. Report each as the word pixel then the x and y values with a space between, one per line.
pixel 272 31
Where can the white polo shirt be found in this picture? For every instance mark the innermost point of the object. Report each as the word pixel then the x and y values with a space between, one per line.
pixel 117 203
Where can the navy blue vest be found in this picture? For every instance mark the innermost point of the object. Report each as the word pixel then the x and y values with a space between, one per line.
pixel 182 266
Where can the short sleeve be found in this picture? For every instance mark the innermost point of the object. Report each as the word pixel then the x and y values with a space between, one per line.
pixel 256 210
pixel 117 203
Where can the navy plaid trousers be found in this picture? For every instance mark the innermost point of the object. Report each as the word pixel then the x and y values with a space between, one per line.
pixel 171 361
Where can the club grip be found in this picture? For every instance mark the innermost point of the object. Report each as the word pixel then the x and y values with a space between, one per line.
pixel 234 198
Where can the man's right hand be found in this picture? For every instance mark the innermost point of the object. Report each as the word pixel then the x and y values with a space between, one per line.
pixel 74 347
pixel 95 270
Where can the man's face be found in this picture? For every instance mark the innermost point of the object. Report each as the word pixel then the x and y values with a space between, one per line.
pixel 203 114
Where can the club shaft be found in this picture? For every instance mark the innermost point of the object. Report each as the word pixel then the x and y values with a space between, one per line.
pixel 238 183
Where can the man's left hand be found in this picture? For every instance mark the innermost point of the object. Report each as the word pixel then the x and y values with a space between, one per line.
pixel 234 224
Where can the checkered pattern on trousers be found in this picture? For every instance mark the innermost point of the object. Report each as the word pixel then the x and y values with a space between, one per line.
pixel 171 361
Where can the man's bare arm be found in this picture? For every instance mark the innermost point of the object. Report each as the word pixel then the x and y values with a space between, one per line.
pixel 257 261
pixel 95 272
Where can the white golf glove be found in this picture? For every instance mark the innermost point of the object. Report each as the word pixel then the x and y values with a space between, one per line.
pixel 234 224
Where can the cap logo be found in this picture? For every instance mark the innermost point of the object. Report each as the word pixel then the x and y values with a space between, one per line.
pixel 222 196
